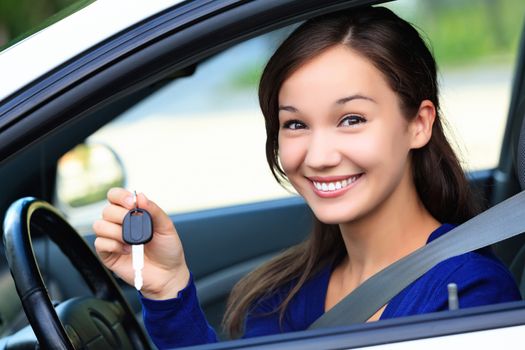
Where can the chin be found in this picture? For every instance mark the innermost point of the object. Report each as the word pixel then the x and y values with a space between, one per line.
pixel 334 218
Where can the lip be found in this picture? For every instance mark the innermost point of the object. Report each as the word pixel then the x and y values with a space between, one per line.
pixel 336 193
pixel 330 178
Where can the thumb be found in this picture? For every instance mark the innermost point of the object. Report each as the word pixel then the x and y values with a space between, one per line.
pixel 161 221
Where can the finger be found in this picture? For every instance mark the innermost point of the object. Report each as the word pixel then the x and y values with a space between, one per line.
pixel 109 230
pixel 122 197
pixel 105 246
pixel 114 213
pixel 161 221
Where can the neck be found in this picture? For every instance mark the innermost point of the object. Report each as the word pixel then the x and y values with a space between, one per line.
pixel 388 234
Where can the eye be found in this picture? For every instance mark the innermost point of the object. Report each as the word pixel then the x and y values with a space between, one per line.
pixel 294 125
pixel 352 120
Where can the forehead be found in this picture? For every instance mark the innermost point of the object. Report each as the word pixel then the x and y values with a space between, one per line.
pixel 338 70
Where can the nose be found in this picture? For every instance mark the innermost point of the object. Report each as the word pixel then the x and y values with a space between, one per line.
pixel 322 151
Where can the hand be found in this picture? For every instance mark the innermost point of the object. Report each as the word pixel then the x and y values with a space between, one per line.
pixel 165 271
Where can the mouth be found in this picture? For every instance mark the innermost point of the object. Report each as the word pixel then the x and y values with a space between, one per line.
pixel 333 186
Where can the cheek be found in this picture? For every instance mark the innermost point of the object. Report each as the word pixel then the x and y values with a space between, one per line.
pixel 366 150
pixel 291 154
pixel 379 147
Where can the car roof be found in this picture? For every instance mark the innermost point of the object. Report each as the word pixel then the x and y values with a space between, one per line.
pixel 38 54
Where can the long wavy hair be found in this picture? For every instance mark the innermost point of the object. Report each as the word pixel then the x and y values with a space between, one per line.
pixel 396 49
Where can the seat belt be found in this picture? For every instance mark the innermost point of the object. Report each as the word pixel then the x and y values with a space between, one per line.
pixel 502 221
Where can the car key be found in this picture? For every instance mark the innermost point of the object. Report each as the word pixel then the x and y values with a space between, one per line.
pixel 137 229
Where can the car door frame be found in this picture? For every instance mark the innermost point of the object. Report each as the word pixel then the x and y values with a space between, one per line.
pixel 69 92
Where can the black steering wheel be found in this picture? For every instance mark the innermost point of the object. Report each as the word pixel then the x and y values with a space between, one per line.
pixel 104 321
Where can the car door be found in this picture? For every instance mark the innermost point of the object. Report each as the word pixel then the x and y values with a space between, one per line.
pixel 104 96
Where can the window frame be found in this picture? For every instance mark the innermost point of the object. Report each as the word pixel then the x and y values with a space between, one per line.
pixel 149 50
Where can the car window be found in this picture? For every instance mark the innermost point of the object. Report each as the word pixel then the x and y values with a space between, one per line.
pixel 198 142
pixel 475 44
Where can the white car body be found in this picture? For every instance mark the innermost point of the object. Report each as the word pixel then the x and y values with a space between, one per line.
pixel 41 52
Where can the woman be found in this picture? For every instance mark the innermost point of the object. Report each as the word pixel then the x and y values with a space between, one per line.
pixel 352 118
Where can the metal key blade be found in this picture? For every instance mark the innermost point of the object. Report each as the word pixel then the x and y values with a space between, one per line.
pixel 137 258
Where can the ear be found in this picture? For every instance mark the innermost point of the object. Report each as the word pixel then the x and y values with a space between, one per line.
pixel 421 126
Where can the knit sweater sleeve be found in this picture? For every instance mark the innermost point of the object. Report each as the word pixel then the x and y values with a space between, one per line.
pixel 177 322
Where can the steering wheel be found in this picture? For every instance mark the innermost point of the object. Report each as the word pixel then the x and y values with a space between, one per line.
pixel 104 321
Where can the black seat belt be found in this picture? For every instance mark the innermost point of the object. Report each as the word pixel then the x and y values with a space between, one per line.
pixel 502 221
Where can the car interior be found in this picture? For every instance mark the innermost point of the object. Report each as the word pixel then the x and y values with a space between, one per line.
pixel 221 243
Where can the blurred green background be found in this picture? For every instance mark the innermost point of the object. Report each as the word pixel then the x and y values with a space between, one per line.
pixel 491 28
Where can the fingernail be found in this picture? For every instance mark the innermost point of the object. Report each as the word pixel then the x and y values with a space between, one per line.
pixel 144 201
pixel 126 249
pixel 129 201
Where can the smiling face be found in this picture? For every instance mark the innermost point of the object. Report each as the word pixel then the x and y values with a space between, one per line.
pixel 343 141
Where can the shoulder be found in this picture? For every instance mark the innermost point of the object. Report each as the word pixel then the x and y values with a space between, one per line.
pixel 481 279
pixel 478 271
pixel 480 276
pixel 474 267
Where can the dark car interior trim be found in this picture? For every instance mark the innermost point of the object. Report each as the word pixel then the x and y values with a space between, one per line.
pixel 505 175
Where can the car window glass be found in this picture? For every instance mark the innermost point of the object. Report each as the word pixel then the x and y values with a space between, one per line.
pixel 199 141
pixel 475 44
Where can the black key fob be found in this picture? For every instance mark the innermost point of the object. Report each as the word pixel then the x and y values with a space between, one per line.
pixel 137 227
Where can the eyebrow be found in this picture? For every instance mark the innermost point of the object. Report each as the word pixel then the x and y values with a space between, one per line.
pixel 340 101
pixel 288 109
pixel 344 100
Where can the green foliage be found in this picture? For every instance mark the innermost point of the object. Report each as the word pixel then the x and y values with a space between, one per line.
pixel 463 31
pixel 247 77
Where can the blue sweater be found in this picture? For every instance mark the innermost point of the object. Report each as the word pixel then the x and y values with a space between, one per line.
pixel 481 279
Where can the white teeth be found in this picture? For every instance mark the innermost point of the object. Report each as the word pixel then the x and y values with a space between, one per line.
pixel 333 186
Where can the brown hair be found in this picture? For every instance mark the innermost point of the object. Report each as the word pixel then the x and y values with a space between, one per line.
pixel 397 50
